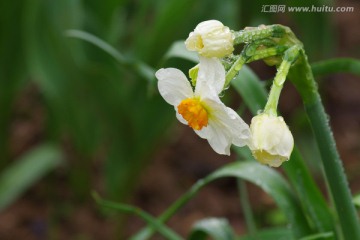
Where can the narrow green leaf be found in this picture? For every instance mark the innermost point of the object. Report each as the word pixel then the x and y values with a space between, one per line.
pixel 319 236
pixel 74 33
pixel 26 171
pixel 272 183
pixel 157 225
pixel 246 207
pixel 178 50
pixel 216 228
pixel 140 67
pixel 251 89
pixel 271 234
pixel 336 65
pixel 356 200
pixel 266 178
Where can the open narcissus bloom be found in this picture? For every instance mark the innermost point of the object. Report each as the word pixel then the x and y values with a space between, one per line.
pixel 202 109
pixel 211 39
pixel 272 141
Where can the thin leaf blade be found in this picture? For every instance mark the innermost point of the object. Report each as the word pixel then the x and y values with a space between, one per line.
pixel 26 171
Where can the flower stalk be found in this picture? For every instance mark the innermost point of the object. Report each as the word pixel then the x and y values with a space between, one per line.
pixel 290 57
pixel 302 77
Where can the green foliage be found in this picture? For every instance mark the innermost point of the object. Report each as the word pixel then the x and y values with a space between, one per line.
pixel 218 229
pixel 26 171
pixel 264 177
pixel 93 64
pixel 153 222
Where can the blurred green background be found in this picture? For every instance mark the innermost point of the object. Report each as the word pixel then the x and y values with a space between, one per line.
pixel 74 118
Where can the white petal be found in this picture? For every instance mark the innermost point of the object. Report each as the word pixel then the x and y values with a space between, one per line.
pixel 211 75
pixel 241 131
pixel 218 139
pixel 230 122
pixel 287 144
pixel 173 85
pixel 208 26
pixel 180 117
pixel 224 128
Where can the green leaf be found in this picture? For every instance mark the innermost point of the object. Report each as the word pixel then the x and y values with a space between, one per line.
pixel 178 50
pixel 216 228
pixel 320 236
pixel 271 234
pixel 356 200
pixel 251 89
pixel 337 65
pixel 157 225
pixel 26 171
pixel 140 67
pixel 266 178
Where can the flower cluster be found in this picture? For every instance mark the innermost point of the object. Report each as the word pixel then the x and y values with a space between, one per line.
pixel 199 106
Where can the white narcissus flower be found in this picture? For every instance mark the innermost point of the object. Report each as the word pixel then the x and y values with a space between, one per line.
pixel 272 141
pixel 211 39
pixel 202 109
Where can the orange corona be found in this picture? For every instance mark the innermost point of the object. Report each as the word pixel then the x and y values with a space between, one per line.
pixel 194 113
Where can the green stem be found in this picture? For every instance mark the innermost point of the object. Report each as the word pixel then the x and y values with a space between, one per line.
pixel 235 68
pixel 303 79
pixel 314 205
pixel 248 214
pixel 256 33
pixel 271 105
pixel 251 53
pixel 267 52
pixel 147 232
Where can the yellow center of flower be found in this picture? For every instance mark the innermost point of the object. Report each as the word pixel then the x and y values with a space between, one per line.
pixel 194 113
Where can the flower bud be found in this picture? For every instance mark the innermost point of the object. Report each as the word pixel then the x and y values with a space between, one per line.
pixel 272 141
pixel 211 39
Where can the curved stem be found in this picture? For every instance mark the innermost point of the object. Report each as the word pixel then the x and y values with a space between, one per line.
pixel 303 79
pixel 261 32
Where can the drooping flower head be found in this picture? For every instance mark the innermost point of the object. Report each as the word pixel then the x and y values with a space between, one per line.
pixel 202 108
pixel 211 39
pixel 272 141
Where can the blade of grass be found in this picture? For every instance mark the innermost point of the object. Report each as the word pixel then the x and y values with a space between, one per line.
pixel 24 172
pixel 337 65
pixel 141 68
pixel 271 234
pixel 246 207
pixel 157 225
pixel 266 178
